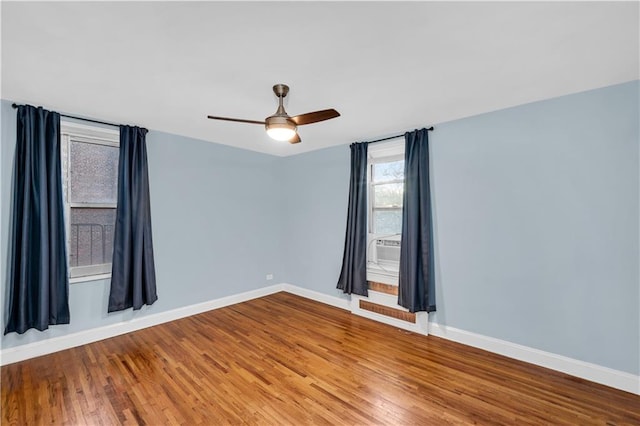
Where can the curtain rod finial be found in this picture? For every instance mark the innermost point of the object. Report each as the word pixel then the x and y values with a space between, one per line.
pixel 14 105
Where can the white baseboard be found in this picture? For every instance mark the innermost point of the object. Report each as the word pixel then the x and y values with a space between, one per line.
pixel 585 370
pixel 318 297
pixel 55 344
pixel 593 372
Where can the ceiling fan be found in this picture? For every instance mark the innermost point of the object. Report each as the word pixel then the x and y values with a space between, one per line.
pixel 280 126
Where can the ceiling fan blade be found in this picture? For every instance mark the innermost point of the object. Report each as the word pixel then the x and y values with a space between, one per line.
pixel 295 139
pixel 314 117
pixel 238 120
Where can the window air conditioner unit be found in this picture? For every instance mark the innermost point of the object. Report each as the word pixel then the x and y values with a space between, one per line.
pixel 388 252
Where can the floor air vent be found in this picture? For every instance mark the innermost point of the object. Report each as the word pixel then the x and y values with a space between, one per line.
pixel 387 311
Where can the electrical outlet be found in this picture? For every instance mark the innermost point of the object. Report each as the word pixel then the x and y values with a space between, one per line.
pixel 269 277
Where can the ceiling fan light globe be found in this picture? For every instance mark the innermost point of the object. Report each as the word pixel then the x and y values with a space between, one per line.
pixel 281 133
pixel 280 128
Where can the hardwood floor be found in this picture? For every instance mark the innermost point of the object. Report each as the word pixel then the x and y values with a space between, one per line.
pixel 283 359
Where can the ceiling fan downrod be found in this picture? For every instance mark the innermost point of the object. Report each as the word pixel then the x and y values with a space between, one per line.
pixel 281 91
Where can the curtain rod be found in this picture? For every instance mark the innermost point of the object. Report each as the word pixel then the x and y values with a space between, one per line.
pixel 79 118
pixel 393 137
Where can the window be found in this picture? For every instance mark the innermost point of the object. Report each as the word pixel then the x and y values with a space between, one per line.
pixel 385 177
pixel 90 186
pixel 386 188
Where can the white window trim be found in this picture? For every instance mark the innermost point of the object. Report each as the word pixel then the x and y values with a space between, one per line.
pixel 82 130
pixel 380 152
pixel 89 134
pixel 386 149
pixel 97 277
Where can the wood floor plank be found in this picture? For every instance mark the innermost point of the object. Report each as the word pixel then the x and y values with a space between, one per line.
pixel 283 359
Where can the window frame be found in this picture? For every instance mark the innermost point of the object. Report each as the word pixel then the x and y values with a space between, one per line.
pixel 74 132
pixel 381 153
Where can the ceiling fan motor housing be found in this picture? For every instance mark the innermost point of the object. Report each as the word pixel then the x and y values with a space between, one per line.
pixel 280 121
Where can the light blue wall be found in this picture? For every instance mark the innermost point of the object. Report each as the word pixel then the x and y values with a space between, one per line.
pixel 536 211
pixel 536 217
pixel 536 224
pixel 216 219
pixel 316 185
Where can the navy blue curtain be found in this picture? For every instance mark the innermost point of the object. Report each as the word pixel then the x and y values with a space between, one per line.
pixel 353 276
pixel 133 277
pixel 38 280
pixel 416 290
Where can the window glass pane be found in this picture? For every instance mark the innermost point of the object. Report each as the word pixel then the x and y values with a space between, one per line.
pixel 387 221
pixel 384 172
pixel 388 195
pixel 93 173
pixel 91 236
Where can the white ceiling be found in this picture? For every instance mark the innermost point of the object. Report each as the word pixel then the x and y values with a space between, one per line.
pixel 387 67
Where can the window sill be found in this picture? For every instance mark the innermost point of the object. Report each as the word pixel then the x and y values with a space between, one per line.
pixel 97 277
